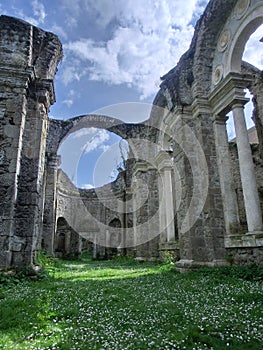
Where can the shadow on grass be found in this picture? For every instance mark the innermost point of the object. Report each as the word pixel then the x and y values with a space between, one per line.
pixel 88 304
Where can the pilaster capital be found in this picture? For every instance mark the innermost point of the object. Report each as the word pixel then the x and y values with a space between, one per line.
pixel 200 106
pixel 142 167
pixel 220 119
pixel 164 161
pixel 179 113
pixel 16 77
pixel 53 160
pixel 42 90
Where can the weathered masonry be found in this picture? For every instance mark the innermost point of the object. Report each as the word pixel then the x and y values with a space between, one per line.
pixel 185 188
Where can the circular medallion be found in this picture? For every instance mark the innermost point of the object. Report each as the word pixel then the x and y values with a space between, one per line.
pixel 223 40
pixel 218 74
pixel 241 8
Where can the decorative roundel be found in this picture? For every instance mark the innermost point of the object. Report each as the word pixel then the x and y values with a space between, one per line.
pixel 218 74
pixel 241 8
pixel 223 40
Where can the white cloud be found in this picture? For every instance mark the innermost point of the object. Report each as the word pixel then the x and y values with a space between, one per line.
pixel 253 49
pixel 148 39
pixel 26 18
pixel 71 73
pixel 68 102
pixel 39 11
pixel 85 132
pixel 71 97
pixel 59 31
pixel 96 141
pixel 87 186
pixel 104 148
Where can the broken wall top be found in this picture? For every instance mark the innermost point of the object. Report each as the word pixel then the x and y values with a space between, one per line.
pixel 23 45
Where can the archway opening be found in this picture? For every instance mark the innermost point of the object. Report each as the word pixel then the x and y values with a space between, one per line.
pixel 93 157
pixel 252 54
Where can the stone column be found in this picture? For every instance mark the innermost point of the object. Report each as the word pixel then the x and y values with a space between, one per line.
pixel 248 179
pixel 231 215
pixel 49 219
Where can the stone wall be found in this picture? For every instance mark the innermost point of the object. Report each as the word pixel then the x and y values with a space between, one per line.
pixel 93 213
pixel 245 256
pixel 28 62
pixel 189 198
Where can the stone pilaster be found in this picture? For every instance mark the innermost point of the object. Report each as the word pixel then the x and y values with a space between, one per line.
pixel 49 218
pixel 166 203
pixel 146 218
pixel 28 62
pixel 29 204
pixel 13 108
pixel 200 214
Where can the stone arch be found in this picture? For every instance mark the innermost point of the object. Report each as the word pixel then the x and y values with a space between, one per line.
pixel 61 129
pixel 250 23
pixel 58 130
pixel 242 21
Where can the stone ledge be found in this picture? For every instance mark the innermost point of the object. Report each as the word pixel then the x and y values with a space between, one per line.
pixel 185 265
pixel 142 259
pixel 250 239
pixel 172 245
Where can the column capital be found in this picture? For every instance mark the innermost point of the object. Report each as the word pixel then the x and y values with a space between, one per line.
pixel 228 92
pixel 238 104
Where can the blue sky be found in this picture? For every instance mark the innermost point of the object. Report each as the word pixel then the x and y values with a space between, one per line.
pixel 114 53
pixel 114 50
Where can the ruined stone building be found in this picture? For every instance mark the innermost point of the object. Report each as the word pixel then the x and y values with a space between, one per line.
pixel 185 188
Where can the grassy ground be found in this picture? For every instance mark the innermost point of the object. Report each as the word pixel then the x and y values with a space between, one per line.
pixel 126 305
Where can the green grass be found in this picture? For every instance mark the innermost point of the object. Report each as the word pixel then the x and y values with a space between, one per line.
pixel 122 304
